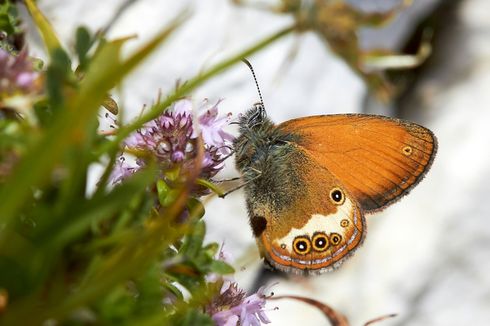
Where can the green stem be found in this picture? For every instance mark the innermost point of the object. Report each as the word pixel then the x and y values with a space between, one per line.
pixel 188 86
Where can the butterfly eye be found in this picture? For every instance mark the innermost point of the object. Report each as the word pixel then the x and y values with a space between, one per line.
pixel 337 196
pixel 335 238
pixel 301 245
pixel 320 241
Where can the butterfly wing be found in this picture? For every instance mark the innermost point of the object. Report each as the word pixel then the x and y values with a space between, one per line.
pixel 315 227
pixel 378 159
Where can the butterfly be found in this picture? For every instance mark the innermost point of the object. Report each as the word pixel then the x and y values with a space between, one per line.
pixel 310 181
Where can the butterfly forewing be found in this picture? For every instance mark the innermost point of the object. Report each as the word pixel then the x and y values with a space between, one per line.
pixel 378 159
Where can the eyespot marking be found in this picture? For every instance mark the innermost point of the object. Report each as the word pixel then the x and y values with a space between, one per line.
pixel 320 241
pixel 258 223
pixel 407 150
pixel 301 245
pixel 337 196
pixel 344 223
pixel 335 238
pixel 283 246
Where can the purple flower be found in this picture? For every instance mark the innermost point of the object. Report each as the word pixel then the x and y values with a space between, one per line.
pixel 122 170
pixel 231 307
pixel 172 139
pixel 17 74
pixel 212 127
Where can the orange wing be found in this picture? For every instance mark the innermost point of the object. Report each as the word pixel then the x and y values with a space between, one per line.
pixel 378 159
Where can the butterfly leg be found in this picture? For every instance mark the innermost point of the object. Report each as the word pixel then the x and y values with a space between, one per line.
pixel 232 152
pixel 259 173
pixel 232 190
pixel 227 180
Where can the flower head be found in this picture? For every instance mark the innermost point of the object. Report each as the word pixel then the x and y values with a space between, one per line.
pixel 212 127
pixel 122 170
pixel 233 307
pixel 17 74
pixel 168 137
pixel 172 139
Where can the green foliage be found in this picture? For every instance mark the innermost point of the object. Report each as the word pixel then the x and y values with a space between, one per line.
pixel 193 317
pixel 59 76
pixel 106 256
pixel 9 21
pixel 83 43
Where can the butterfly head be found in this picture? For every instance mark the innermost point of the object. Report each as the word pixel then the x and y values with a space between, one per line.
pixel 255 117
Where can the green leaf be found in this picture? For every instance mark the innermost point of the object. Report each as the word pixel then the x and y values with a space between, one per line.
pixel 196 208
pixel 211 249
pixel 193 242
pixel 162 189
pixel 9 18
pixel 166 195
pixel 117 304
pixel 220 267
pixel 174 290
pixel 194 317
pixel 149 290
pixel 44 112
pixel 15 276
pixel 58 76
pixel 5 24
pixel 51 41
pixel 83 43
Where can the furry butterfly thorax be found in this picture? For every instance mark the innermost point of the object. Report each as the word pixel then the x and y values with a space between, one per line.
pixel 263 154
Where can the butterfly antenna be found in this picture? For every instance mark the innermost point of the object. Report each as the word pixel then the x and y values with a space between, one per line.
pixel 256 83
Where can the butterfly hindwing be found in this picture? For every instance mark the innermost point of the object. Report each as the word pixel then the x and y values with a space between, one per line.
pixel 319 226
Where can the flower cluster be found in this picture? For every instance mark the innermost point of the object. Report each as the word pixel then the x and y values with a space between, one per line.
pixel 172 139
pixel 17 74
pixel 233 307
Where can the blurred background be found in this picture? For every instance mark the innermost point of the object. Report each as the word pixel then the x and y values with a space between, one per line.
pixel 425 258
